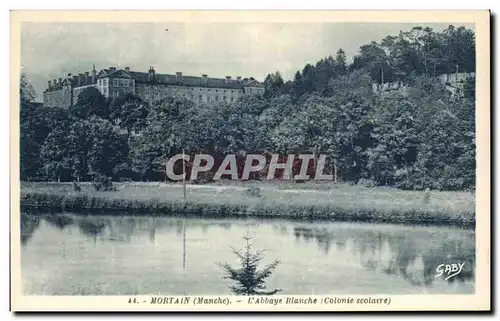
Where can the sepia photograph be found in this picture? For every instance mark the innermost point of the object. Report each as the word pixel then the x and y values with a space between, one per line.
pixel 250 162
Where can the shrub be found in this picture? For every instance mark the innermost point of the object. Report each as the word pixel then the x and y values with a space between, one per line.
pixel 367 182
pixel 253 191
pixel 77 187
pixel 103 183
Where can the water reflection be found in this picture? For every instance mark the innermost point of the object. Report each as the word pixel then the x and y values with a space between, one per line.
pixel 408 254
pixel 29 224
pixel 413 258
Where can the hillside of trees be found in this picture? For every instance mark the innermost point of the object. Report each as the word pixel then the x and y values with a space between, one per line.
pixel 423 139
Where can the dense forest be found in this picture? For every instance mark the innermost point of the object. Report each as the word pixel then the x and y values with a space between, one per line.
pixel 423 138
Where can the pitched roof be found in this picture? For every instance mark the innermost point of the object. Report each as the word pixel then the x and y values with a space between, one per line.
pixel 188 80
pixel 166 79
pixel 73 80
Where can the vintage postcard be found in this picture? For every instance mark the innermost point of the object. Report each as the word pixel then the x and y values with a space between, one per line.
pixel 250 160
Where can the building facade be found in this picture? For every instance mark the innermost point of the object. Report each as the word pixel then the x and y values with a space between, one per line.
pixel 113 82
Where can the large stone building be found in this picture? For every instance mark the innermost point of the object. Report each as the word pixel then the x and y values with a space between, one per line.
pixel 149 86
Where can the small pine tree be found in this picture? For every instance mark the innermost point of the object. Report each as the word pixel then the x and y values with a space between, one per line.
pixel 249 280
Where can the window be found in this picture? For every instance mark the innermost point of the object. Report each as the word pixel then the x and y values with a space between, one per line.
pixel 115 82
pixel 157 95
pixel 125 82
pixel 224 98
pixel 216 98
pixel 216 90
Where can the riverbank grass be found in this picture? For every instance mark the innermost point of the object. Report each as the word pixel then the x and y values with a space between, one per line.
pixel 295 201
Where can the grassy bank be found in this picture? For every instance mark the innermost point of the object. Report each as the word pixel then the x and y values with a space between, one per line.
pixel 330 202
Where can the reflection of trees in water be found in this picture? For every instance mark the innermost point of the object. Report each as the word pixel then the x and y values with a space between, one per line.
pixel 59 221
pixel 280 229
pixel 92 226
pixel 204 225
pixel 29 224
pixel 122 228
pixel 413 256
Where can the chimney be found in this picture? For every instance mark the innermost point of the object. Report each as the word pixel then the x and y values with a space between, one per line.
pixel 127 69
pixel 151 74
pixel 94 74
pixel 86 77
pixel 54 83
pixel 50 84
pixel 238 78
pixel 112 68
pixel 228 79
pixel 81 79
pixel 204 79
pixel 178 77
pixel 60 81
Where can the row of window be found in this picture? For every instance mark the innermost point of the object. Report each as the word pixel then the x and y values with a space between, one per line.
pixel 122 82
pixel 156 95
pixel 129 82
pixel 117 82
pixel 102 82
pixel 199 89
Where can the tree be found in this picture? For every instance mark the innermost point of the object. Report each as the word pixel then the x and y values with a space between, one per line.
pixel 129 112
pixel 87 148
pixel 340 63
pixel 36 124
pixel 298 85
pixel 26 91
pixel 90 102
pixel 169 130
pixel 273 84
pixel 249 280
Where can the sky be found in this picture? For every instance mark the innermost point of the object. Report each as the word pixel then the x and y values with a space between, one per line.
pixel 51 50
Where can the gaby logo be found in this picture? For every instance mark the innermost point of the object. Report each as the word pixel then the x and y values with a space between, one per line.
pixel 296 167
pixel 449 270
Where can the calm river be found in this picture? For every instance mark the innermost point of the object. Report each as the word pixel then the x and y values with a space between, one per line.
pixel 64 254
